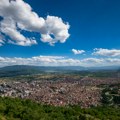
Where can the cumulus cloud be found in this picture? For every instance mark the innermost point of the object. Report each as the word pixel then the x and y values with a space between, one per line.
pixel 39 61
pixel 76 52
pixel 56 30
pixel 93 60
pixel 58 61
pixel 113 60
pixel 106 52
pixel 18 16
pixel 2 39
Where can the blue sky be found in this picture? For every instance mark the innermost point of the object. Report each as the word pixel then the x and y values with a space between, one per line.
pixel 93 24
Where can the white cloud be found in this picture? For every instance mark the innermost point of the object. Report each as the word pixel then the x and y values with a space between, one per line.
pixel 39 61
pixel 93 60
pixel 56 28
pixel 2 39
pixel 59 61
pixel 77 51
pixel 18 15
pixel 106 52
pixel 114 60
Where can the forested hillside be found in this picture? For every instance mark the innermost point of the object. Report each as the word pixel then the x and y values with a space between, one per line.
pixel 17 109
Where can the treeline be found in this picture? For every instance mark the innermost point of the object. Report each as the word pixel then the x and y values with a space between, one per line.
pixel 17 109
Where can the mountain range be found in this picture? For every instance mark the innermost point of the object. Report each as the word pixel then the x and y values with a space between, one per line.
pixel 25 69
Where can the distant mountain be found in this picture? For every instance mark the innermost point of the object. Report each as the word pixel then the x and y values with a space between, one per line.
pixel 42 68
pixel 104 68
pixel 18 70
pixel 26 69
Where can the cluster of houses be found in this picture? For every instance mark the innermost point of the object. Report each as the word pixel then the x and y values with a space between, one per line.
pixel 58 93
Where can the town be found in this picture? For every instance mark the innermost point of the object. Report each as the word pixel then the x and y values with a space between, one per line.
pixel 85 91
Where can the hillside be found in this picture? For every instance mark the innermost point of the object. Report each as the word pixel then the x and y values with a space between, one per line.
pixel 26 70
pixel 17 109
pixel 17 70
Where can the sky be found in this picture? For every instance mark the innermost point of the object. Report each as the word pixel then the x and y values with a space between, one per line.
pixel 60 32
